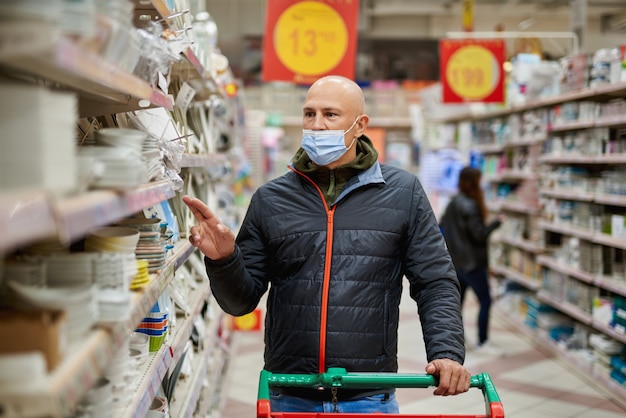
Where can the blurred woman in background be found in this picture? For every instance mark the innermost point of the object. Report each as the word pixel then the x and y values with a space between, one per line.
pixel 466 231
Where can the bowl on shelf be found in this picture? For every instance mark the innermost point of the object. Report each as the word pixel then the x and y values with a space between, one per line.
pixel 121 137
pixel 112 239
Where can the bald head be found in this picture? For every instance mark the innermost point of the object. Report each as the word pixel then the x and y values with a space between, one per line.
pixel 342 89
pixel 336 103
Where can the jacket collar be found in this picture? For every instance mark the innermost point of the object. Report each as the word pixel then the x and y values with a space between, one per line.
pixel 366 167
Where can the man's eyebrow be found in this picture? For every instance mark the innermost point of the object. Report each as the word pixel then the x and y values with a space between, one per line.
pixel 325 109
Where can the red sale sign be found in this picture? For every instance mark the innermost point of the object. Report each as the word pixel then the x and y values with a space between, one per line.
pixel 471 70
pixel 307 39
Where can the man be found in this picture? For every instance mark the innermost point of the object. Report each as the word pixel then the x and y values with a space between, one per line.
pixel 335 236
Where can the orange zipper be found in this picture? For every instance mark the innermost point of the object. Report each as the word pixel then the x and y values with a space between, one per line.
pixel 326 284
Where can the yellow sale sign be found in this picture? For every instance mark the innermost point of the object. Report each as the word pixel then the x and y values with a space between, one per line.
pixel 471 70
pixel 308 39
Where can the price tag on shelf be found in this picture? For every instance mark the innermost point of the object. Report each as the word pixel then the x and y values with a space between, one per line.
pixel 184 97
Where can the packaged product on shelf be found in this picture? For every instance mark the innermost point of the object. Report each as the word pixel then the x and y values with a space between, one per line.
pixel 40 331
pixel 39 147
pixel 607 67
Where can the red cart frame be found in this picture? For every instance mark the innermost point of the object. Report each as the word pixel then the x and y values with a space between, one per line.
pixel 340 378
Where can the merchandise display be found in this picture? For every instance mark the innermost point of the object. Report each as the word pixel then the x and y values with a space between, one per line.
pixel 554 164
pixel 103 304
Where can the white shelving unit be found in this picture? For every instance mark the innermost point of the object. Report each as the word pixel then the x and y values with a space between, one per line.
pixel 38 53
pixel 85 362
pixel 535 253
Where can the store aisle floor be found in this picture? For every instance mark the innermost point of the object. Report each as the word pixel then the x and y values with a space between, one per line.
pixel 531 383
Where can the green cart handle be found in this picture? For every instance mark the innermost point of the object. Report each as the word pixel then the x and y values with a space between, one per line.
pixel 340 378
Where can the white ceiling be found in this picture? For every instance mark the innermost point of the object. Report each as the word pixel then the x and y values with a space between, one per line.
pixel 595 8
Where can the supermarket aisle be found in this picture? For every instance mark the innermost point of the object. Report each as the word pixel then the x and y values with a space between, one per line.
pixel 529 382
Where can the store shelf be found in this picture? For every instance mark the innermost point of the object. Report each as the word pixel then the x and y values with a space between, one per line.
pixel 582 196
pixel 203 160
pixel 599 93
pixel 568 309
pixel 520 207
pixel 85 361
pixel 188 390
pixel 615 286
pixel 517 175
pixel 196 297
pixel 524 244
pixel 67 63
pixel 596 283
pixel 565 269
pixel 565 194
pixel 580 316
pixel 151 376
pixel 30 216
pixel 571 126
pixel 610 199
pixel 582 368
pixel 515 276
pixel 582 159
pixel 601 122
pixel 527 140
pixel 595 237
pixel 25 217
pixel 488 148
pixel 77 215
pixel 188 68
pixel 607 283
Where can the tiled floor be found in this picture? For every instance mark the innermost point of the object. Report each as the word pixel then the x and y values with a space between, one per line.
pixel 531 383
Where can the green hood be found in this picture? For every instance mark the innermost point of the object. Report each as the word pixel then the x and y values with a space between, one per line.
pixel 332 182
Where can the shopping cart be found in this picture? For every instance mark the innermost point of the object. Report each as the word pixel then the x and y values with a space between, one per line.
pixel 340 378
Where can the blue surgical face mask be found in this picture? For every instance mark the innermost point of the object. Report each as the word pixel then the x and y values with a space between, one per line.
pixel 325 147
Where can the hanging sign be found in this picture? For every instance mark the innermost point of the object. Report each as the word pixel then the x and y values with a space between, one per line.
pixel 248 322
pixel 308 39
pixel 468 15
pixel 471 70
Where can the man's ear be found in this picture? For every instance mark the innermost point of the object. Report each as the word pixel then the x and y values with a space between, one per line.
pixel 361 124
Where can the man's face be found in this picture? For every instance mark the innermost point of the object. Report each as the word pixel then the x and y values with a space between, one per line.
pixel 325 109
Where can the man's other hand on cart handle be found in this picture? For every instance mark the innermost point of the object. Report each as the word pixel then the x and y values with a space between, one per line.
pixel 453 377
pixel 210 235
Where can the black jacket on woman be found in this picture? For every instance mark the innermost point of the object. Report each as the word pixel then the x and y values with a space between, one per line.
pixel 335 271
pixel 466 233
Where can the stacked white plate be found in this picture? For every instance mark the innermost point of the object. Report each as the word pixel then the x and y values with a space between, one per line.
pixel 114 270
pixel 153 158
pixel 114 305
pixel 132 139
pixel 74 269
pixel 28 273
pixel 22 372
pixel 122 167
pixel 79 304
pixel 119 371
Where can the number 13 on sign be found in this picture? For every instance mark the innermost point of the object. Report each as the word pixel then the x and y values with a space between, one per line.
pixel 310 38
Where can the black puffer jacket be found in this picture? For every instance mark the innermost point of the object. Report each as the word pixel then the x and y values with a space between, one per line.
pixel 466 233
pixel 341 310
